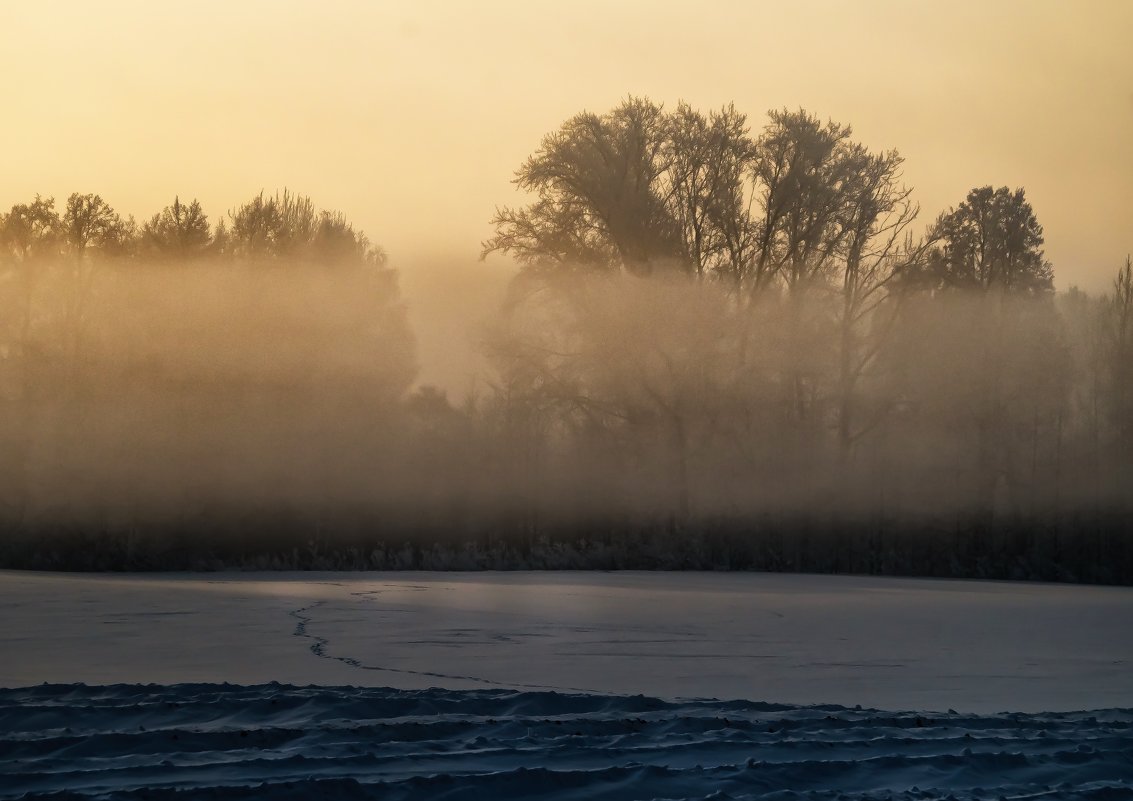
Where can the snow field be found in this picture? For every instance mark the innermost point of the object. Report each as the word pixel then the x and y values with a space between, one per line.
pixel 188 741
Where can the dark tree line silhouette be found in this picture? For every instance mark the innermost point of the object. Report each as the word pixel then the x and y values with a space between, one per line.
pixel 724 348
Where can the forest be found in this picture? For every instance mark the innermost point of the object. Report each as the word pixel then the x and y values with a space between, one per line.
pixel 729 344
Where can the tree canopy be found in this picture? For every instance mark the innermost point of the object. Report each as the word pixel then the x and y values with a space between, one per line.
pixel 991 240
pixel 641 189
pixel 179 230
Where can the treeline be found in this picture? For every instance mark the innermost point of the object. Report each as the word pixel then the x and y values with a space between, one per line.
pixel 180 370
pixel 724 349
pixel 764 307
pixel 87 228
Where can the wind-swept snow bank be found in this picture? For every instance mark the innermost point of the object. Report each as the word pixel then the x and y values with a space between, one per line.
pixel 130 742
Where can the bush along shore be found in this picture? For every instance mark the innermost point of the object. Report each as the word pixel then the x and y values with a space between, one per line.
pixel 1092 547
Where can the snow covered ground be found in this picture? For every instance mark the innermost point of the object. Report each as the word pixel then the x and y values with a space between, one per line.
pixel 129 743
pixel 540 673
pixel 885 643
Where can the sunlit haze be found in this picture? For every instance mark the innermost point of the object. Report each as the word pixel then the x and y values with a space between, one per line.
pixel 612 399
pixel 411 117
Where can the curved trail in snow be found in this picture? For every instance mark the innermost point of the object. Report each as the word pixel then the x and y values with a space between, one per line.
pixel 320 647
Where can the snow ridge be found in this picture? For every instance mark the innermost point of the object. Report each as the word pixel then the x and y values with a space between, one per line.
pixel 188 741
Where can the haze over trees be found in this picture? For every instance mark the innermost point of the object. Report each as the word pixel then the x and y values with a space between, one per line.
pixel 728 344
pixel 180 370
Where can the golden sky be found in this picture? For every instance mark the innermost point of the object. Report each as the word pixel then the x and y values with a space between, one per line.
pixel 411 115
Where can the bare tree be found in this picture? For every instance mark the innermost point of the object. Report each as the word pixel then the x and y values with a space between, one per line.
pixel 598 188
pixel 88 223
pixel 31 235
pixel 178 231
pixel 802 173
pixel 877 249
pixel 31 229
pixel 707 162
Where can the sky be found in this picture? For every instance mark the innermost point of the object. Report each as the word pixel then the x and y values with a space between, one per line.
pixel 411 116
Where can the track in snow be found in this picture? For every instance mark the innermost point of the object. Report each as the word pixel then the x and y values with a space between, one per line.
pixel 190 741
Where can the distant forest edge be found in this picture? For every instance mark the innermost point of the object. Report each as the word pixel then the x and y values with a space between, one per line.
pixel 723 350
pixel 1086 547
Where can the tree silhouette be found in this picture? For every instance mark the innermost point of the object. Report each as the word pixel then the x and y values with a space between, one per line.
pixel 992 239
pixel 178 231
pixel 31 229
pixel 336 242
pixel 802 208
pixel 289 226
pixel 877 250
pixel 638 188
pixel 598 182
pixel 257 228
pixel 31 235
pixel 803 172
pixel 89 221
pixel 708 159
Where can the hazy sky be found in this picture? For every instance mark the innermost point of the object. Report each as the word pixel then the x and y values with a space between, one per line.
pixel 410 116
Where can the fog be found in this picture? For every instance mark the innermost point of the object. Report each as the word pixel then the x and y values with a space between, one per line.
pixel 700 340
pixel 449 301
pixel 237 404
pixel 177 387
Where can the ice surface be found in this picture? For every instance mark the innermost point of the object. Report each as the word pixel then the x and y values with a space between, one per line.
pixel 975 647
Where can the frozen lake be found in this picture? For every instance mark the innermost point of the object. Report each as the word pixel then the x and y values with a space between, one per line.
pixel 900 644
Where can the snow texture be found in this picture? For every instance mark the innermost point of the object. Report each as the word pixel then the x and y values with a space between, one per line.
pixel 927 645
pixel 541 675
pixel 193 741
